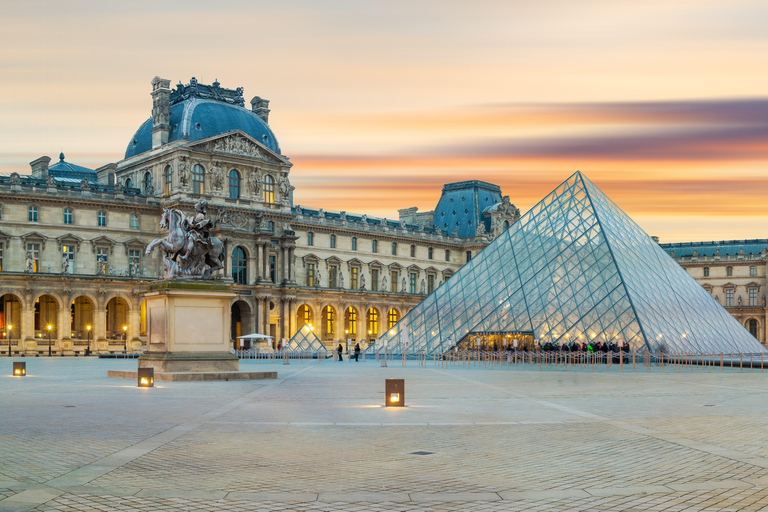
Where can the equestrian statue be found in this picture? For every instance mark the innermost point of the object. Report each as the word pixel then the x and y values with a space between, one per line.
pixel 189 248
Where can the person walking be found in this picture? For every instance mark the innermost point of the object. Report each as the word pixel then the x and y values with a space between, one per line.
pixel 340 349
pixel 357 351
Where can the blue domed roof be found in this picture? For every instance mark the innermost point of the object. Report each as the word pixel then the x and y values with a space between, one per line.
pixel 196 119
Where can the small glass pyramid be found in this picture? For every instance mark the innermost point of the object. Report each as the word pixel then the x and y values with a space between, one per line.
pixel 574 268
pixel 305 339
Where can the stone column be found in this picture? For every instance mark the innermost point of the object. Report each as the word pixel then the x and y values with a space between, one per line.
pixel 63 323
pixel 291 316
pixel 26 329
pixel 257 262
pixel 290 264
pixel 100 324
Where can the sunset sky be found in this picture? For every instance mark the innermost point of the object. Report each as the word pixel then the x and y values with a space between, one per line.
pixel 662 104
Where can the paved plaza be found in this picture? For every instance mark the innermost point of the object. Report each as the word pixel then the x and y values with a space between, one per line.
pixel 318 439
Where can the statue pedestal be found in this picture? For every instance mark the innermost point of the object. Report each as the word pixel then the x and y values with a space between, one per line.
pixel 188 327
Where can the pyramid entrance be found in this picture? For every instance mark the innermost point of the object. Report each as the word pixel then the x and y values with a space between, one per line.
pixel 491 341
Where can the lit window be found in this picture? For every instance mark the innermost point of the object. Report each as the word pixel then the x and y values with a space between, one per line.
pixel 354 243
pixel 412 282
pixel 429 253
pixel 33 251
pixel 310 238
pixel 729 271
pixel 354 273
pixel 413 251
pixel 234 184
pixel 753 271
pixel 134 221
pixel 269 189
pixel 333 241
pixel 239 261
pixel 310 274
pixel 375 246
pixel 393 284
pixel 392 318
pixel 394 248
pixel 373 322
pixel 67 215
pixel 198 179
pixel 101 255
pixel 102 217
pixel 329 320
pixel 351 321
pixel 168 179
pixel 33 214
pixel 706 271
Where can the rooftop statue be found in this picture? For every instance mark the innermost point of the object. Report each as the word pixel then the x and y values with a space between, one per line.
pixel 190 251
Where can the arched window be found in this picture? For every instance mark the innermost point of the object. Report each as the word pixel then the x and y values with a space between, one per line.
pixel 506 224
pixel 198 179
pixel 168 179
pixel 333 241
pixel 392 318
pixel 269 189
pixel 234 184
pixel 128 183
pixel 753 327
pixel 239 271
pixel 304 316
pixel 147 183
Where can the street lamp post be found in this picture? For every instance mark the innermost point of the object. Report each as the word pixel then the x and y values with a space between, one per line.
pixel 10 337
pixel 125 339
pixel 88 347
pixel 49 339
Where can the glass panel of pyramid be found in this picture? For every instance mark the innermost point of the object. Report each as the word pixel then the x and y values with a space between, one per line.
pixel 305 339
pixel 574 268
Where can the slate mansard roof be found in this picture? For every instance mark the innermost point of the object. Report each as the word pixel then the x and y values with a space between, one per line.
pixel 753 247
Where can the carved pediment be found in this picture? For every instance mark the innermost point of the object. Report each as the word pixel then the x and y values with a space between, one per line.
pixel 34 238
pixel 69 239
pixel 103 241
pixel 238 143
pixel 4 237
pixel 135 244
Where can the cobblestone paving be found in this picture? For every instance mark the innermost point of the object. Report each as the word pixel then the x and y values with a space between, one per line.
pixel 317 439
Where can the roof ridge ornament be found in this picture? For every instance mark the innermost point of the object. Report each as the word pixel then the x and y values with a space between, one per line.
pixel 195 89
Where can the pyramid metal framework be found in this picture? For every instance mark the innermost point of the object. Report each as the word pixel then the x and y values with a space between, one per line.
pixel 305 339
pixel 574 268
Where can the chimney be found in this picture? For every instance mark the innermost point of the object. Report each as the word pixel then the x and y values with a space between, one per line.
pixel 40 167
pixel 260 107
pixel 161 111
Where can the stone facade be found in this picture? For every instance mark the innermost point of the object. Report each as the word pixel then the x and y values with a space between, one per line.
pixel 734 273
pixel 72 243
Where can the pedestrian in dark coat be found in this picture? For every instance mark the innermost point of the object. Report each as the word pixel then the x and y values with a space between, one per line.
pixel 340 349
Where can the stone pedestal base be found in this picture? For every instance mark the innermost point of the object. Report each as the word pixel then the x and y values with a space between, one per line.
pixel 188 327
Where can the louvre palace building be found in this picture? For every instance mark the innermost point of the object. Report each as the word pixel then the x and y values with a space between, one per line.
pixel 73 268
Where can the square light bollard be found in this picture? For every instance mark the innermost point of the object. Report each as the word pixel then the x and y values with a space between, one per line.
pixel 146 377
pixel 19 369
pixel 394 392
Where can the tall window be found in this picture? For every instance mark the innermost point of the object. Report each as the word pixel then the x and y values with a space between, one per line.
pixel 310 238
pixel 234 184
pixel 469 256
pixel 392 318
pixel 354 243
pixel 34 252
pixel 198 179
pixel 354 273
pixel 271 226
pixel 413 251
pixel 102 218
pixel 729 297
pixel 147 183
pixel 32 214
pixel 128 183
pixel 239 266
pixel 269 189
pixel 134 221
pixel 430 284
pixel 329 320
pixel 394 248
pixel 168 173
pixel 310 274
pixel 753 271
pixel 753 296
pixel 429 253
pixel 272 267
pixel 333 275
pixel 68 251
pixel 447 255
pixel 706 271
pixel 351 321
pixel 393 284
pixel 101 255
pixel 305 315
pixel 373 322
pixel 134 262
pixel 412 282
pixel 333 241
pixel 729 271
pixel 67 215
pixel 375 280
pixel 375 246
pixel 753 327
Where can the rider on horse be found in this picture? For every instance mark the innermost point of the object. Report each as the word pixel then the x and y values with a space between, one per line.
pixel 198 227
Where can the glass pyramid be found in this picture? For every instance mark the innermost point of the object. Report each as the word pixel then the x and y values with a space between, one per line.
pixel 305 339
pixel 573 268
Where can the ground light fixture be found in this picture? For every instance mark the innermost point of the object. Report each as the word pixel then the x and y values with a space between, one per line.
pixel 19 369
pixel 146 377
pixel 394 392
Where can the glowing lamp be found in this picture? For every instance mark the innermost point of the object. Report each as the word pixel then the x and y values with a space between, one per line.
pixel 19 369
pixel 146 377
pixel 394 392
